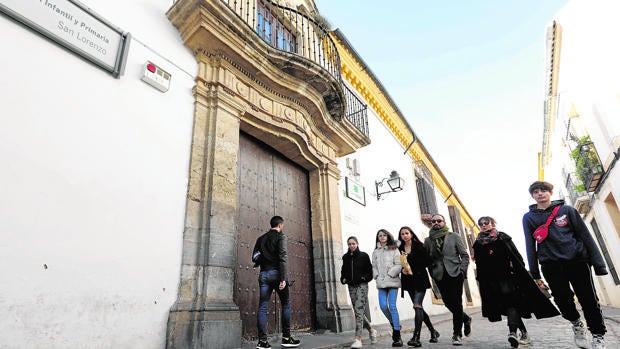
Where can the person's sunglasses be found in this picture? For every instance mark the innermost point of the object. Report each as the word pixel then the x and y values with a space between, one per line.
pixel 436 221
pixel 484 223
pixel 381 236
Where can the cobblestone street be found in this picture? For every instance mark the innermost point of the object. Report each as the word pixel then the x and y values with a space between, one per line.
pixel 554 333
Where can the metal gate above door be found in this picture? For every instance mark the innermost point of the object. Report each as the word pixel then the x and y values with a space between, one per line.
pixel 268 185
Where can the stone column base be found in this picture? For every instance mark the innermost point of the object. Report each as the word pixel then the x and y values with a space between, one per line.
pixel 337 319
pixel 205 328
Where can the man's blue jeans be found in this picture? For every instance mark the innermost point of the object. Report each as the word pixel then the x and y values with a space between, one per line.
pixel 268 281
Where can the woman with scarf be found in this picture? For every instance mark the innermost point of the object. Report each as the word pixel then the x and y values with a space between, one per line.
pixel 386 269
pixel 356 272
pixel 506 288
pixel 414 280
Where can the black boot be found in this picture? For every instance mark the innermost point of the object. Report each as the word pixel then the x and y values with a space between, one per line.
pixel 434 335
pixel 396 340
pixel 415 341
pixel 429 324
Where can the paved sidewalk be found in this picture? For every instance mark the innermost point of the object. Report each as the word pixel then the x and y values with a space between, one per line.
pixel 554 333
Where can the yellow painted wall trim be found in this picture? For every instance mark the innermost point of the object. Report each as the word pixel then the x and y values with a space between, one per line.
pixel 355 74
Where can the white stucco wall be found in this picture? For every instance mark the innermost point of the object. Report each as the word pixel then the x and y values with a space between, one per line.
pixel 589 86
pixel 391 212
pixel 94 173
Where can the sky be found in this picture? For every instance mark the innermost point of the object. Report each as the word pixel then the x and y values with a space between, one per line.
pixel 469 78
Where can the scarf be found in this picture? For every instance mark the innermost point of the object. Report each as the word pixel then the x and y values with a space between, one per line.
pixel 486 237
pixel 438 236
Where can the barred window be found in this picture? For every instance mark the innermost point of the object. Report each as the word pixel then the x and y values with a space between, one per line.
pixel 426 190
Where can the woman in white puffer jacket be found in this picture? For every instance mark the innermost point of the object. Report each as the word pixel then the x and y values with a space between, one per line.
pixel 386 268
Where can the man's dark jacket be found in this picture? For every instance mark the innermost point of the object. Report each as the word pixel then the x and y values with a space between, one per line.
pixel 272 246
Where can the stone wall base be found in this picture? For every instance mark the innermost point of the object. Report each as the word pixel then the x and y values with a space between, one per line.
pixel 199 329
pixel 338 319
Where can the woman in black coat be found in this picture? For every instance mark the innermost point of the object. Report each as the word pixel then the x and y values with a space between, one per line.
pixel 506 288
pixel 356 272
pixel 415 282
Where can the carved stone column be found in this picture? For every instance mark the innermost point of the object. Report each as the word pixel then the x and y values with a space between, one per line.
pixel 332 309
pixel 205 315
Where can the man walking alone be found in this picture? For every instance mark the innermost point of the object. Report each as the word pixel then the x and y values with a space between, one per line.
pixel 270 253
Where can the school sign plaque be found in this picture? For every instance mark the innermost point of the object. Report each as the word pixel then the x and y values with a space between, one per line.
pixel 74 27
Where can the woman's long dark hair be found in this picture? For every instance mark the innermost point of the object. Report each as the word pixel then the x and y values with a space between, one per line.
pixel 391 243
pixel 414 240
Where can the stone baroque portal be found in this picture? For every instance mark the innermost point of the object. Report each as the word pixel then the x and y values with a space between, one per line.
pixel 294 106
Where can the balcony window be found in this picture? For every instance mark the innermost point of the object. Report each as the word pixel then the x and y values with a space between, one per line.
pixel 274 31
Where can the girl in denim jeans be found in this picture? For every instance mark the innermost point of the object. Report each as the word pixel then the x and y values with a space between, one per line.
pixel 386 269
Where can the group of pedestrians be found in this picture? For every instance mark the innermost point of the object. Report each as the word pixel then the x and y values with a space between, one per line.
pixel 565 252
pixel 557 242
pixel 405 263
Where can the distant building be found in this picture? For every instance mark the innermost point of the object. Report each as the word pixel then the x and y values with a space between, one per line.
pixel 144 149
pixel 581 141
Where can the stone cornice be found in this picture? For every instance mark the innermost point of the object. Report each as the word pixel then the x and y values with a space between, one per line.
pixel 211 27
pixel 275 115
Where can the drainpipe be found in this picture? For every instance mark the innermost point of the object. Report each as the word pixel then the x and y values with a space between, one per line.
pixel 412 141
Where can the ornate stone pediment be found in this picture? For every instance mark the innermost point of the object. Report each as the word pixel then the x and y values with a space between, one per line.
pixel 212 28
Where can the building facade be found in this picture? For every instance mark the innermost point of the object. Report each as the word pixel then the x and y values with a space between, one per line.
pixel 395 147
pixel 136 191
pixel 581 141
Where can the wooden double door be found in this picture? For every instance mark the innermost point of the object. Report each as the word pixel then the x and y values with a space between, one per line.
pixel 268 185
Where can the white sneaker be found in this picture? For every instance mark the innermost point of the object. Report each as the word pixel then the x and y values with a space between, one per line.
pixel 580 335
pixel 525 339
pixel 598 341
pixel 357 344
pixel 373 336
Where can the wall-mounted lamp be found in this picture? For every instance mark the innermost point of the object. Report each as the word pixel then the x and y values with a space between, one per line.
pixel 394 182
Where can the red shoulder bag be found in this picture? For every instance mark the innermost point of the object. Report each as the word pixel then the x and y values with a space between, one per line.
pixel 541 233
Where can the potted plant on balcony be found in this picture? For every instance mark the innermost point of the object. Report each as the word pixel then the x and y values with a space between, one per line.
pixel 587 165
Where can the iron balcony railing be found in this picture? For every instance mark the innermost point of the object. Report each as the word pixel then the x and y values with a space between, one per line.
pixel 588 165
pixel 356 111
pixel 576 189
pixel 289 30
